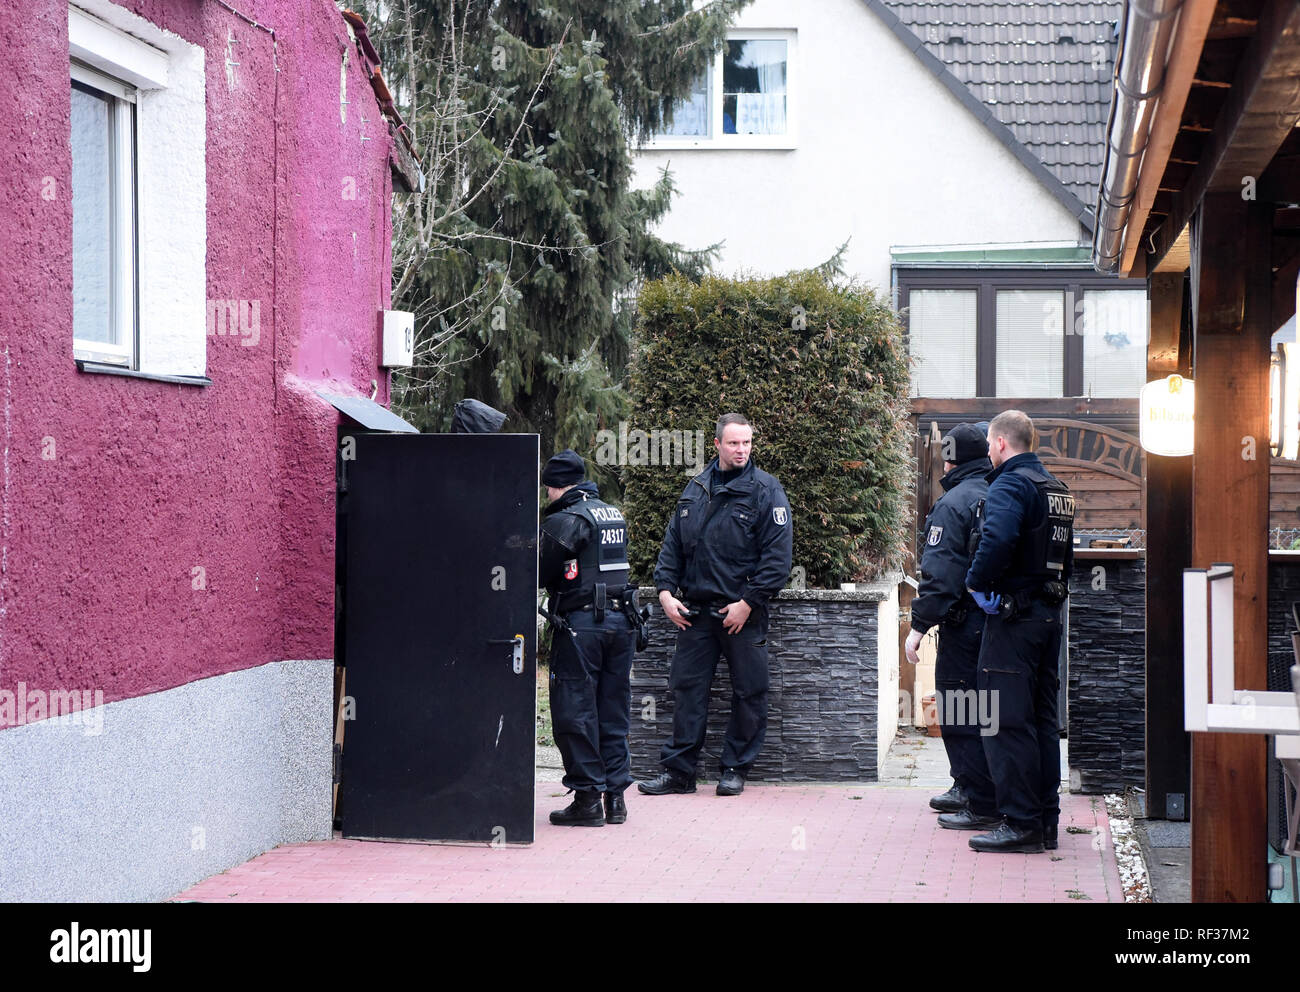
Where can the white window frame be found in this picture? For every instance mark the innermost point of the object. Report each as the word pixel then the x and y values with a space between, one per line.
pixel 122 288
pixel 720 141
pixel 166 77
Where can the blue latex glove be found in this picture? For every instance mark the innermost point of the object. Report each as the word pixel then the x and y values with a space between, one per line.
pixel 988 603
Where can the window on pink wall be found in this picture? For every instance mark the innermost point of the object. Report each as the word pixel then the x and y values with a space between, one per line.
pixel 103 219
pixel 138 144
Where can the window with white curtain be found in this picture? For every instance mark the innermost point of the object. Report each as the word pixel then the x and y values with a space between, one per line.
pixel 942 332
pixel 1030 342
pixel 693 117
pixel 753 86
pixel 744 99
pixel 1114 329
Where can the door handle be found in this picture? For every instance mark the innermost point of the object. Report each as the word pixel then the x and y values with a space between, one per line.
pixel 517 660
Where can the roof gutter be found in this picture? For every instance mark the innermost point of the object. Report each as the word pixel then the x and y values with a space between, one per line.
pixel 1139 79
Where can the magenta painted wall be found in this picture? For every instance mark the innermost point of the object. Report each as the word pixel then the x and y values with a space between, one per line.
pixel 150 480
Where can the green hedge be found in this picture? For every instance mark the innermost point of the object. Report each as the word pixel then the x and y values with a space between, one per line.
pixel 821 372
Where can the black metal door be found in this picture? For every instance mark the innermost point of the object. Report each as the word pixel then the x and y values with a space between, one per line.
pixel 441 579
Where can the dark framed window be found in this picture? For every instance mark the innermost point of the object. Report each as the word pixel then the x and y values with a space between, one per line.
pixel 1023 332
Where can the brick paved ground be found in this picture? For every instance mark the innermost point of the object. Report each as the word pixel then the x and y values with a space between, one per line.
pixel 774 843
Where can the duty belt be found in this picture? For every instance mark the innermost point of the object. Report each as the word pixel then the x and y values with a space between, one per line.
pixel 1053 593
pixel 612 603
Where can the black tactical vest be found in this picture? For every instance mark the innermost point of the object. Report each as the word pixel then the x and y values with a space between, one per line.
pixel 602 559
pixel 1042 550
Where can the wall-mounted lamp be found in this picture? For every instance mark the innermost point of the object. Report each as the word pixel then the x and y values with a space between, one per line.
pixel 1165 423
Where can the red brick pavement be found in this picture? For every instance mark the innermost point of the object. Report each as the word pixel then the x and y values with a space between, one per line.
pixel 812 843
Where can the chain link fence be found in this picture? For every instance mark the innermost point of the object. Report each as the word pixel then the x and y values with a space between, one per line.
pixel 1133 540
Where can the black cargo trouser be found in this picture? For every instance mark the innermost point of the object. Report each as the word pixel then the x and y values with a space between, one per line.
pixel 1018 667
pixel 962 711
pixel 591 699
pixel 695 661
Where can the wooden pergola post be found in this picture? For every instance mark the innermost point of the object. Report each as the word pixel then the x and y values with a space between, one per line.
pixel 1167 514
pixel 1232 300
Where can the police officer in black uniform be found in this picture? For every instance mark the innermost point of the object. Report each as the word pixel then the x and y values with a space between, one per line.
pixel 942 601
pixel 727 550
pixel 1020 576
pixel 583 567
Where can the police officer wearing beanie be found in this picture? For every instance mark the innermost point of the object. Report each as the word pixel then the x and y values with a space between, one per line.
pixel 942 601
pixel 583 567
pixel 1020 576
pixel 726 551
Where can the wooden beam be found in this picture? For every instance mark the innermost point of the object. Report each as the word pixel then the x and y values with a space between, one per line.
pixel 1284 281
pixel 1230 482
pixel 987 407
pixel 1165 309
pixel 1167 499
pixel 1189 38
pixel 1260 112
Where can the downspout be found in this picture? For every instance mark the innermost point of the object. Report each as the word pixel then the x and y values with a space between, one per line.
pixel 1139 79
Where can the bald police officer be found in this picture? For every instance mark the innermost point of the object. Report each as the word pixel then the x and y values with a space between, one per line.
pixel 583 567
pixel 1020 576
pixel 726 551
pixel 943 602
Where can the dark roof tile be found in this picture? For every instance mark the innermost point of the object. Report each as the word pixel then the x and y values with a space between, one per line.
pixel 1042 68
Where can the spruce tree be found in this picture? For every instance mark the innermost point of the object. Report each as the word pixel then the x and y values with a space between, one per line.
pixel 524 288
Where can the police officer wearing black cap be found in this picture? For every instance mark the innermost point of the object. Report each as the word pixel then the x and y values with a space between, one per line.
pixel 727 550
pixel 942 601
pixel 583 567
pixel 1020 576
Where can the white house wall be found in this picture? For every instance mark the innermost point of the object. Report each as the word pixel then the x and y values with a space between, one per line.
pixel 885 156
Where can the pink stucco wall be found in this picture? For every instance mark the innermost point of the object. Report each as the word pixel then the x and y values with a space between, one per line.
pixel 149 480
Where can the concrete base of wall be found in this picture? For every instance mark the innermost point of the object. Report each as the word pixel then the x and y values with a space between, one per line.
pixel 175 786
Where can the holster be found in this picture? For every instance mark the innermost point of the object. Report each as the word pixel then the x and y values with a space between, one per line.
pixel 956 616
pixel 637 616
pixel 598 603
pixel 1013 604
pixel 1054 593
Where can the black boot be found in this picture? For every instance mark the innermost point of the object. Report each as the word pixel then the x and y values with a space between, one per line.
pixel 1008 839
pixel 732 783
pixel 615 808
pixel 666 784
pixel 952 801
pixel 968 820
pixel 584 811
pixel 1049 838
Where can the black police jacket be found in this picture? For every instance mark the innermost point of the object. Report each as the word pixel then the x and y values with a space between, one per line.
pixel 730 545
pixel 571 560
pixel 945 555
pixel 1015 544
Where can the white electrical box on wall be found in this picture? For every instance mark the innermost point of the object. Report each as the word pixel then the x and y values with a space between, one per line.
pixel 398 347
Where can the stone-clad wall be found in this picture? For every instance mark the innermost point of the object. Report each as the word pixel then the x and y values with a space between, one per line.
pixel 1283 590
pixel 1107 675
pixel 823 704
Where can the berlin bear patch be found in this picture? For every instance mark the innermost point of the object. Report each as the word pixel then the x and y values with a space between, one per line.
pixel 935 536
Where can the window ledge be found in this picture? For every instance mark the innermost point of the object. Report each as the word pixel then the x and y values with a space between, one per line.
pixel 702 144
pixel 100 368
